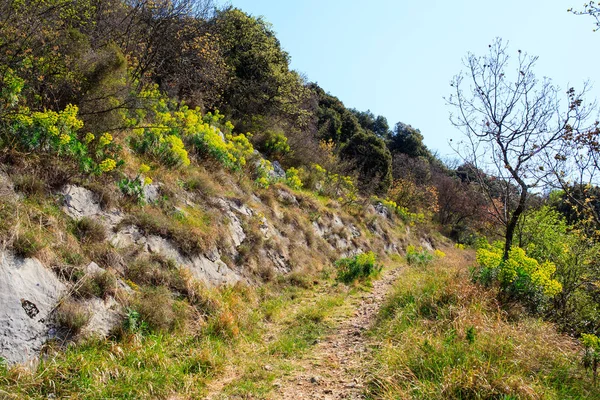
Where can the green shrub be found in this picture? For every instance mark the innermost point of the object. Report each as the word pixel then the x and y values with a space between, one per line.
pixel 418 256
pixel 335 186
pixel 276 144
pixel 359 267
pixel 133 322
pixel 591 355
pixel 520 277
pixel 134 188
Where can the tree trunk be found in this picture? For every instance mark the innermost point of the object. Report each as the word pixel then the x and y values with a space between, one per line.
pixel 514 219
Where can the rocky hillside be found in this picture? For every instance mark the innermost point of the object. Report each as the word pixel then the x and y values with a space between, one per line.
pixel 75 257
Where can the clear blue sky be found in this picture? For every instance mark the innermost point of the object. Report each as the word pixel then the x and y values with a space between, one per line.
pixel 397 57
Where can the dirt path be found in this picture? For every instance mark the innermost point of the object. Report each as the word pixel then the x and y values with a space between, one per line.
pixel 333 370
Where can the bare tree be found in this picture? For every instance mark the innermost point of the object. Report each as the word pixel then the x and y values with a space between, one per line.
pixel 592 8
pixel 512 122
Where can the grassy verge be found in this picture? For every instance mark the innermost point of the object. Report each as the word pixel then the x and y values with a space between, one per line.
pixel 443 337
pixel 254 334
pixel 294 323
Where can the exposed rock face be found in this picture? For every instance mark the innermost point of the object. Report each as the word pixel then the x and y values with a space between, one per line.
pixel 80 202
pixel 278 170
pixel 287 198
pixel 28 294
pixel 106 314
pixel 151 193
pixel 209 268
pixel 382 210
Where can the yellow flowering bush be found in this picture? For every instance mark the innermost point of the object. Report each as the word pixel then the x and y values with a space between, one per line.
pixel 105 139
pixel 10 89
pixel 174 125
pixel 405 215
pixel 292 179
pixel 264 173
pixel 107 165
pixel 165 148
pixel 520 276
pixel 333 185
pixel 439 254
pixel 56 132
pixel 276 144
pixel 591 355
pixel 144 169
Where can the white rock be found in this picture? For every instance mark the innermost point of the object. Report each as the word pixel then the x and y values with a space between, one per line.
pixel 213 273
pixel 337 222
pixel 319 230
pixel 159 245
pixel 80 202
pixel 235 228
pixel 105 315
pixel 278 171
pixel 286 197
pixel 128 236
pixel 426 244
pixel 151 193
pixel 25 284
pixel 382 210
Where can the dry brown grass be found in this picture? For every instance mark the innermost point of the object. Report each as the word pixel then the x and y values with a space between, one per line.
pixel 72 316
pixel 89 230
pixel 193 231
pixel 445 337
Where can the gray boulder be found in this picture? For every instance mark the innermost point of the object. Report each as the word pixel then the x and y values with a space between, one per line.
pixel 28 294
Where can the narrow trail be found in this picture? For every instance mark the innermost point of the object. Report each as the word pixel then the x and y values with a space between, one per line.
pixel 333 368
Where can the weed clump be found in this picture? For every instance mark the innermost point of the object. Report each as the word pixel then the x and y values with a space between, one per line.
pixel 359 267
pixel 88 230
pixel 27 245
pixel 29 185
pixel 101 284
pixel 156 308
pixel 72 316
pixel 418 256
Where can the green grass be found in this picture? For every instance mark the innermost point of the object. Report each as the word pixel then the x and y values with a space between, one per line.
pixel 442 337
pixel 137 368
pixel 244 328
pixel 297 319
